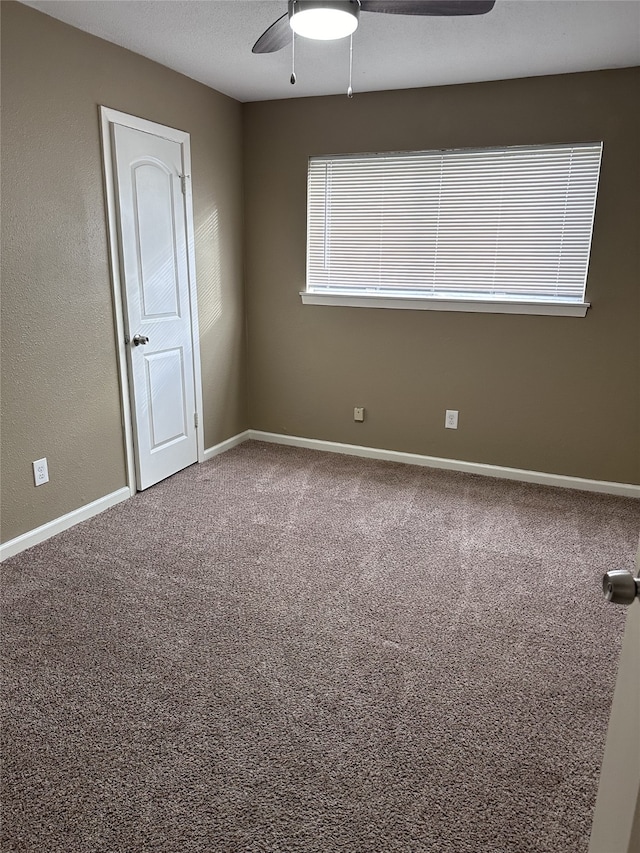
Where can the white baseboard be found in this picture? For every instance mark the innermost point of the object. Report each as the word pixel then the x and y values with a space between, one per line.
pixel 603 486
pixel 51 528
pixel 46 531
pixel 210 452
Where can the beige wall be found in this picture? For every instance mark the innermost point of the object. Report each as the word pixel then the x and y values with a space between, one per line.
pixel 550 394
pixel 553 394
pixel 60 396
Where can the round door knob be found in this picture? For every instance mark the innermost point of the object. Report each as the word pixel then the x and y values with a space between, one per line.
pixel 620 586
pixel 140 339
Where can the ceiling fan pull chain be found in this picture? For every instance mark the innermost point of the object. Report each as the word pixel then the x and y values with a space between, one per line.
pixel 293 59
pixel 350 89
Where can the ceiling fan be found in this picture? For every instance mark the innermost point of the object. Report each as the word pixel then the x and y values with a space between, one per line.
pixel 334 19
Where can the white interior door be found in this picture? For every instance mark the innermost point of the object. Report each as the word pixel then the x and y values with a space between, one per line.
pixel 616 821
pixel 150 189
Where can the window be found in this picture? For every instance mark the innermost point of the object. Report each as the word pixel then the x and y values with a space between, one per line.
pixel 493 229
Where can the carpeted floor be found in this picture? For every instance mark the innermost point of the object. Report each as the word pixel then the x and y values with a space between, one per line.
pixel 294 652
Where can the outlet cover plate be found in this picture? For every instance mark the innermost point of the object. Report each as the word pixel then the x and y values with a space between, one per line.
pixel 40 471
pixel 451 419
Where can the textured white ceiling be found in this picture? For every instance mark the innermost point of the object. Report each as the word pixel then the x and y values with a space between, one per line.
pixel 211 41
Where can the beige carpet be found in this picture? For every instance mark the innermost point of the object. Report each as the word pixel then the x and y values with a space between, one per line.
pixel 296 652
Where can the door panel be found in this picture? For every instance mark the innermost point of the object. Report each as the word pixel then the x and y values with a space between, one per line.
pixel 166 396
pixel 156 224
pixel 155 273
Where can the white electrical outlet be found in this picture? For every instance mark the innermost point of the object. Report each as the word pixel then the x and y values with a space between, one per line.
pixel 451 419
pixel 358 413
pixel 40 471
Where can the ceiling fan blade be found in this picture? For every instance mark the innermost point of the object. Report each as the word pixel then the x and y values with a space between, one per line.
pixel 279 34
pixel 428 7
pixel 275 38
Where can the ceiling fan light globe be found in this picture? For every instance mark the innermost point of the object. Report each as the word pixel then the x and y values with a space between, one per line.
pixel 324 22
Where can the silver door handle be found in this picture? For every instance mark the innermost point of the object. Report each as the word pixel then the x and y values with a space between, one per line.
pixel 140 339
pixel 620 586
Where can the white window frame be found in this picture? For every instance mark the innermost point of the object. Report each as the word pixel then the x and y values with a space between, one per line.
pixel 469 302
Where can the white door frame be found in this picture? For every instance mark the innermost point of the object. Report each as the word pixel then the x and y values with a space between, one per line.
pixel 109 117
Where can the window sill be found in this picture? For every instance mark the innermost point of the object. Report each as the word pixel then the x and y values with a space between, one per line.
pixel 411 303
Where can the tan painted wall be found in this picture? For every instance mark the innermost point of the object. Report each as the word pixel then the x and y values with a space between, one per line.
pixel 551 394
pixel 60 396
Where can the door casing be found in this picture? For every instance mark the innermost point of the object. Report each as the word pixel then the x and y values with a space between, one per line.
pixel 109 117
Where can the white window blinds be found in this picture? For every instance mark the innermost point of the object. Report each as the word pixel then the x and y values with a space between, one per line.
pixel 487 224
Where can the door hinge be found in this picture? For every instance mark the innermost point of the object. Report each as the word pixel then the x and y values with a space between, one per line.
pixel 195 419
pixel 183 182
